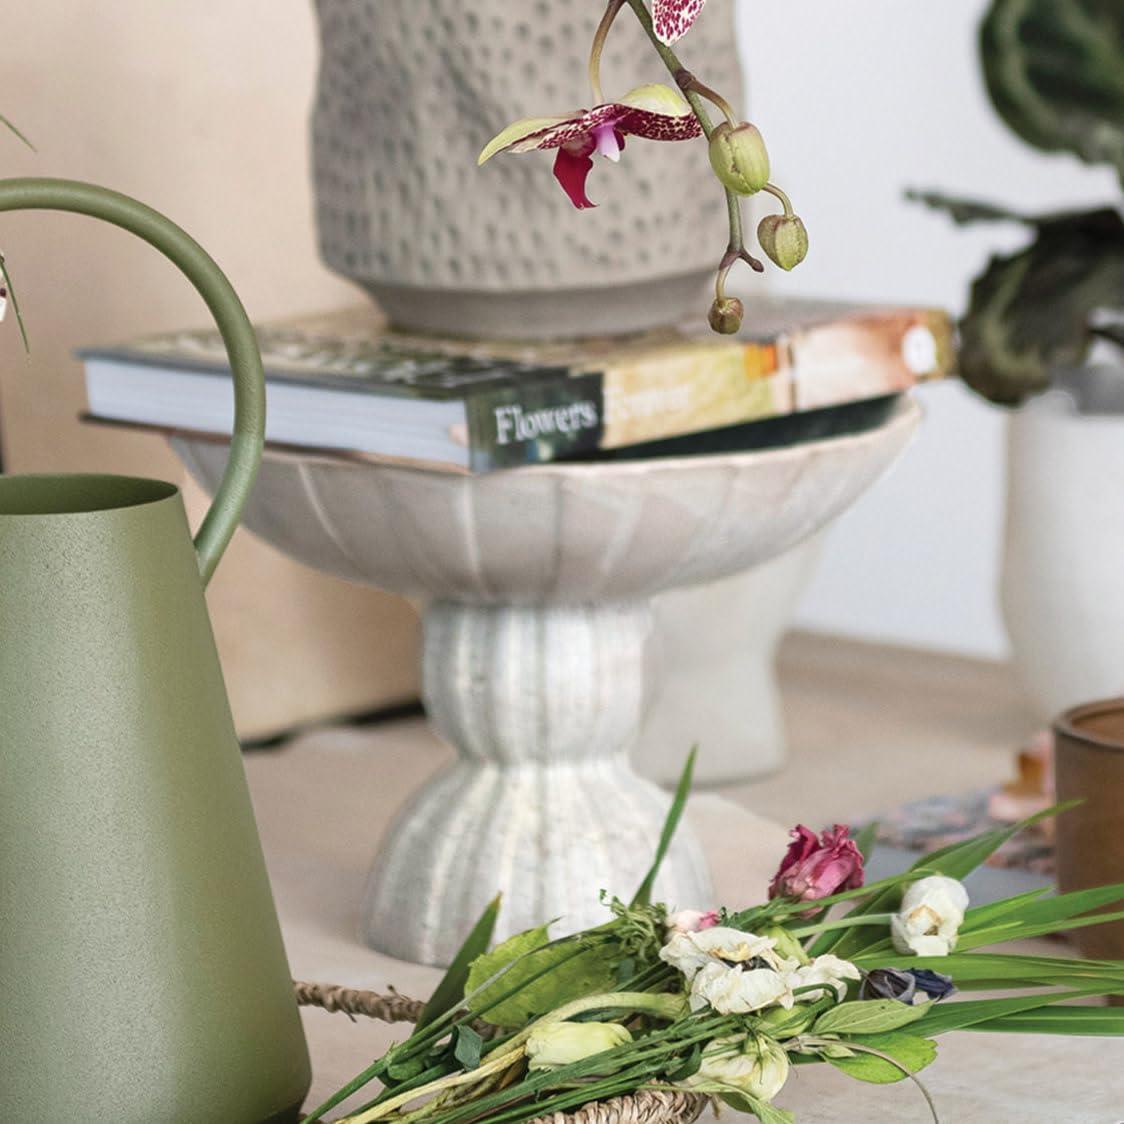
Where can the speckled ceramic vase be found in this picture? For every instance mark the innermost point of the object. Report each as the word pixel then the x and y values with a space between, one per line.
pixel 409 93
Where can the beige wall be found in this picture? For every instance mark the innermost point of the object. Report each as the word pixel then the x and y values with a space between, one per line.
pixel 199 108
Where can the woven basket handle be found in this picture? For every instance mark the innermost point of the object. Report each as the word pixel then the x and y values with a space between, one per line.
pixel 230 317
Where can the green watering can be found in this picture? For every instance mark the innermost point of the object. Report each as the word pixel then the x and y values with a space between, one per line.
pixel 142 975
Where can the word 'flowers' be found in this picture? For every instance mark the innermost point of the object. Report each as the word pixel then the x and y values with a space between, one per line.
pixel 930 917
pixel 653 112
pixel 818 866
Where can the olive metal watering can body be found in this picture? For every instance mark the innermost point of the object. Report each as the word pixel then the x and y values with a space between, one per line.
pixel 142 971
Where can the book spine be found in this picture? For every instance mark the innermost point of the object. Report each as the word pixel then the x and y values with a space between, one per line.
pixel 534 422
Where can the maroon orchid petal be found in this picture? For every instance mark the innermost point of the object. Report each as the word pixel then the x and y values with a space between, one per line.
pixel 672 19
pixel 571 169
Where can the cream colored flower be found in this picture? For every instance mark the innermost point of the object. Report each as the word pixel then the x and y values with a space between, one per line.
pixel 554 1045
pixel 829 970
pixel 738 991
pixel 757 1067
pixel 691 952
pixel 930 917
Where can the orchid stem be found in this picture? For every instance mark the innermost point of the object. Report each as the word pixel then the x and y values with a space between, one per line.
pixel 693 91
pixel 772 189
pixel 598 47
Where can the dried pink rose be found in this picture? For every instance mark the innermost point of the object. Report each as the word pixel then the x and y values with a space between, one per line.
pixel 653 112
pixel 672 19
pixel 818 866
pixel 692 921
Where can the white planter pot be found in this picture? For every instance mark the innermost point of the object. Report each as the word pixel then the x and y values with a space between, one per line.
pixel 1063 567
pixel 713 651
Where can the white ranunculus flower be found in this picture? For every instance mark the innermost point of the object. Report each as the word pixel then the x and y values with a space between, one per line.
pixel 829 970
pixel 691 952
pixel 738 991
pixel 930 917
pixel 757 1067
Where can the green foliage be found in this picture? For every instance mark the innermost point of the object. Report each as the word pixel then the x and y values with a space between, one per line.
pixel 541 974
pixel 450 992
pixel 643 895
pixel 911 1052
pixel 868 1016
pixel 1055 73
pixel 766 1113
pixel 5 123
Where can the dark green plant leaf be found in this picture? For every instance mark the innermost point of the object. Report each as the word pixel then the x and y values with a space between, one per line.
pixel 867 1016
pixel 867 839
pixel 967 211
pixel 765 1112
pixel 941 1018
pixel 547 975
pixel 643 895
pixel 912 1053
pixel 450 992
pixel 1055 73
pixel 1031 312
pixel 1097 1022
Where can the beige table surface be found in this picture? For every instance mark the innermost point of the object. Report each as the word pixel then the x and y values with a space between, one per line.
pixel 870 727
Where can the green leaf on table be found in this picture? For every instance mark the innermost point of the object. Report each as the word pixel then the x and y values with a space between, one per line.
pixel 911 1052
pixel 643 895
pixel 866 840
pixel 867 1016
pixel 993 970
pixel 984 937
pixel 541 974
pixel 450 992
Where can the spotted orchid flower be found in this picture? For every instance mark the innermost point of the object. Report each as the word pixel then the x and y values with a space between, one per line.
pixel 653 112
pixel 672 19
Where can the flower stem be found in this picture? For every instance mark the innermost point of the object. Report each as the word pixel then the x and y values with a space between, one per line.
pixel 599 39
pixel 693 91
pixel 772 189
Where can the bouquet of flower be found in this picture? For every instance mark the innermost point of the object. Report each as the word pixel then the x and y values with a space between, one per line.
pixel 828 970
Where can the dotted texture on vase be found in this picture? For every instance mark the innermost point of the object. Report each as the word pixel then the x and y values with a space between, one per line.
pixel 411 90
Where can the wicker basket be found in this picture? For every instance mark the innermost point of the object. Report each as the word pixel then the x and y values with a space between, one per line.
pixel 648 1107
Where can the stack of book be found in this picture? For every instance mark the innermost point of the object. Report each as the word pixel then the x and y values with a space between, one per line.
pixel 346 384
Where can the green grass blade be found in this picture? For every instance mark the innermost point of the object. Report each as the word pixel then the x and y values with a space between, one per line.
pixel 981 916
pixel 6 282
pixel 449 993
pixel 962 1014
pixel 1101 1022
pixel 11 128
pixel 643 895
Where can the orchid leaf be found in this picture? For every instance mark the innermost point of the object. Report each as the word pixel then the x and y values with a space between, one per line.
pixel 449 993
pixel 643 895
pixel 964 212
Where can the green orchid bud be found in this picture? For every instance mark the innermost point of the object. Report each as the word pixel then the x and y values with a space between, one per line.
pixel 784 238
pixel 726 314
pixel 739 157
pixel 553 1045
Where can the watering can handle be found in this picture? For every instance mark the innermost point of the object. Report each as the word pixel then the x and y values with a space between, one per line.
pixel 234 326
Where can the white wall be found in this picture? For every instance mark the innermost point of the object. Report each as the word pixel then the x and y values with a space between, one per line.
pixel 858 102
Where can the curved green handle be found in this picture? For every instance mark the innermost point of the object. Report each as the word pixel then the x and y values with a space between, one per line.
pixel 230 317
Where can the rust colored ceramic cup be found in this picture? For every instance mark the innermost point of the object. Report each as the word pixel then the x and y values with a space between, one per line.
pixel 1090 838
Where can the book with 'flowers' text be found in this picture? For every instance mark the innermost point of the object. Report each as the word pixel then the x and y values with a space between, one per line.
pixel 345 384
